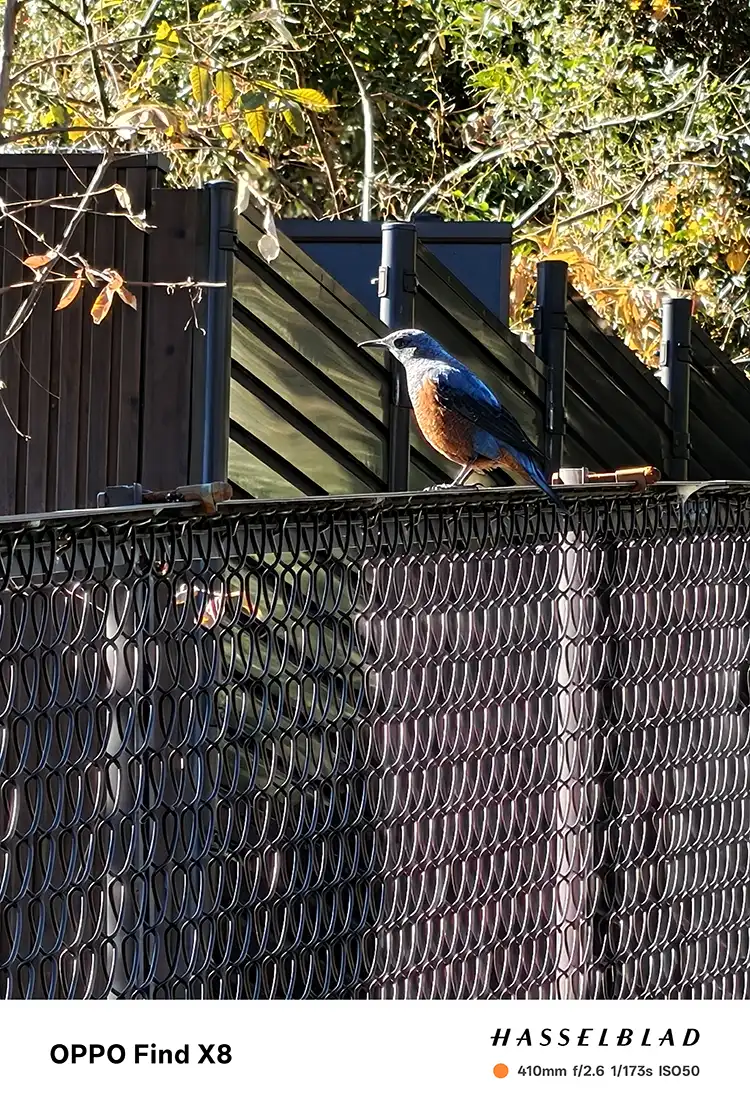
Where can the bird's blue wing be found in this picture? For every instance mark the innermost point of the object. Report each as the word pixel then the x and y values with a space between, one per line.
pixel 463 393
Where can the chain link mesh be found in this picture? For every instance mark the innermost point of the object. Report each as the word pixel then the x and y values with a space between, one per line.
pixel 441 747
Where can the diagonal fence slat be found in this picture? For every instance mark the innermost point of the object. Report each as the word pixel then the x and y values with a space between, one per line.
pixel 440 746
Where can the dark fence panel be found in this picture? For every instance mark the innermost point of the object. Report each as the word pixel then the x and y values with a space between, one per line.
pixel 107 404
pixel 309 411
pixel 622 409
pixel 720 396
pixel 429 746
pixel 477 254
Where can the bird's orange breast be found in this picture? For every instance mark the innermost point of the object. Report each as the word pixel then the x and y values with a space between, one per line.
pixel 450 434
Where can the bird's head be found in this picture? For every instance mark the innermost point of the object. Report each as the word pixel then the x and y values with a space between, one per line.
pixel 408 345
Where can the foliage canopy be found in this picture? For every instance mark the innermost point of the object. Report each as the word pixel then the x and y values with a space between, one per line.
pixel 615 137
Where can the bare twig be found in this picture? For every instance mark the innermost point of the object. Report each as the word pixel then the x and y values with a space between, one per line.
pixel 551 192
pixel 101 87
pixel 62 13
pixel 368 128
pixel 10 16
pixel 694 106
pixel 628 120
pixel 498 152
pixel 100 278
pixel 459 170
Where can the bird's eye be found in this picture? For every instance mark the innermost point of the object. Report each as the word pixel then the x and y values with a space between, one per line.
pixel 401 343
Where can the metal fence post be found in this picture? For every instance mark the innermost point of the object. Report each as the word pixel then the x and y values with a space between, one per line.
pixel 550 341
pixel 397 292
pixel 218 364
pixel 675 365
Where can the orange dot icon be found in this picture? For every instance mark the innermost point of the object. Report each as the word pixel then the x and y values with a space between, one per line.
pixel 500 1071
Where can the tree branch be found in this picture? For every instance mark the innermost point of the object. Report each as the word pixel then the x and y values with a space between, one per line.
pixel 10 15
pixel 552 191
pixel 459 170
pixel 101 87
pixel 368 128
pixel 61 12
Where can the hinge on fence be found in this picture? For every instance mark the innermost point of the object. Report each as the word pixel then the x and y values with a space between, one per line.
pixel 410 282
pixel 382 281
pixel 227 239
pixel 209 496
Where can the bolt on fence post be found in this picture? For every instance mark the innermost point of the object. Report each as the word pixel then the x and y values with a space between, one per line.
pixel 222 232
pixel 675 364
pixel 550 344
pixel 397 292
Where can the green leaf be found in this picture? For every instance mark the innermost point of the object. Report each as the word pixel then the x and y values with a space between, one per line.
pixel 200 83
pixel 294 119
pixel 310 98
pixel 224 86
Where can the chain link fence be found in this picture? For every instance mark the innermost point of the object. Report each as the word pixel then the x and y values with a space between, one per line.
pixel 439 746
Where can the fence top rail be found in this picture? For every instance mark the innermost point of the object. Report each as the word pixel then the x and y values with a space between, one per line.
pixel 153 545
pixel 439 499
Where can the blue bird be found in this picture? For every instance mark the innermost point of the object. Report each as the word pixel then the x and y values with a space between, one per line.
pixel 458 414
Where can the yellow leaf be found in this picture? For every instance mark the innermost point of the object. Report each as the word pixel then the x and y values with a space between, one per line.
pixel 736 260
pixel 224 86
pixel 167 40
pixel 139 72
pixel 666 206
pixel 228 131
pixel 668 226
pixel 660 9
pixel 257 122
pixel 310 98
pixel 209 9
pixel 200 82
pixel 70 291
pixel 74 134
pixel 694 229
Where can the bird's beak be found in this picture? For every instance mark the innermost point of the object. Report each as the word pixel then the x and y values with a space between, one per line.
pixel 371 342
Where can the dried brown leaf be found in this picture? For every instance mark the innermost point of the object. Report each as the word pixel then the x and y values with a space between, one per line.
pixel 36 261
pixel 102 304
pixel 127 297
pixel 70 292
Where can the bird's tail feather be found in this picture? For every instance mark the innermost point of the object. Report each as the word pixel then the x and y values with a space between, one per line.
pixel 539 479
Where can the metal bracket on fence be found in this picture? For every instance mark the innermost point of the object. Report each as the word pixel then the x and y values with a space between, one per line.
pixel 209 495
pixel 638 478
pixel 120 495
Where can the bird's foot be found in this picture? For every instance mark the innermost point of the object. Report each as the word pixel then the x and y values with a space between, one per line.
pixel 440 487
